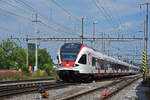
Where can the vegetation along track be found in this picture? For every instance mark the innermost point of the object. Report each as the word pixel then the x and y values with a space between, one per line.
pixel 27 80
pixel 14 89
pixel 111 88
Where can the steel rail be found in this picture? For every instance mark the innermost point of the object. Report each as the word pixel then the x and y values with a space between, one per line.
pixel 119 89
pixel 79 95
pixel 11 91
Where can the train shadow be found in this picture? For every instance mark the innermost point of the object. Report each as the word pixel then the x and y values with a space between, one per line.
pixel 96 79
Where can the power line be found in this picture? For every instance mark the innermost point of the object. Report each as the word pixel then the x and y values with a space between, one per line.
pixel 16 15
pixel 66 11
pixel 23 3
pixel 115 14
pixel 85 39
pixel 49 19
pixel 54 29
pixel 12 5
pixel 6 29
pixel 108 12
pixel 105 15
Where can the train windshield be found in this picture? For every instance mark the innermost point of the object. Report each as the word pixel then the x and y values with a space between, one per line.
pixel 69 51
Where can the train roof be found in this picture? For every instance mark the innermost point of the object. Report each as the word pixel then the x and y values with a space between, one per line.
pixel 111 59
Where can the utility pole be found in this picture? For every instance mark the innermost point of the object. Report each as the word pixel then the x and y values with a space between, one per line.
pixel 94 29
pixel 82 29
pixel 27 53
pixel 103 42
pixel 146 36
pixel 36 51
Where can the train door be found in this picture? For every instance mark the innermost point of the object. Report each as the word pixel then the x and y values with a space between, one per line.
pixel 117 68
pixel 94 64
pixel 109 68
pixel 98 67
pixel 102 66
pixel 105 67
pixel 113 68
pixel 89 60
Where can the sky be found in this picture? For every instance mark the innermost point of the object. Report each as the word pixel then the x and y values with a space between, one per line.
pixel 62 18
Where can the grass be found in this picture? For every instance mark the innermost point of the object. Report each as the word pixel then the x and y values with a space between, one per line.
pixel 18 75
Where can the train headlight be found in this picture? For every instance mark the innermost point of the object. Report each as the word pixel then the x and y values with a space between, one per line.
pixel 75 65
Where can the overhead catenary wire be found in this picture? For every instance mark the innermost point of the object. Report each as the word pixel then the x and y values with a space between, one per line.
pixel 34 10
pixel 114 15
pixel 29 19
pixel 108 13
pixel 15 6
pixel 7 30
pixel 106 17
pixel 54 29
pixel 66 11
pixel 14 14
pixel 25 4
pixel 49 19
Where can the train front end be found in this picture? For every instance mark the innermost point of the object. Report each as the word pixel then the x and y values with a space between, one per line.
pixel 68 68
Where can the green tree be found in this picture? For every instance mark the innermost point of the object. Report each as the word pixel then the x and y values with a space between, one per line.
pixel 44 58
pixel 48 69
pixel 19 56
pixel 7 47
pixel 31 58
pixel 13 56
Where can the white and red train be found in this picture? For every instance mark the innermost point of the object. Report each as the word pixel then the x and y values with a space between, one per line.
pixel 80 62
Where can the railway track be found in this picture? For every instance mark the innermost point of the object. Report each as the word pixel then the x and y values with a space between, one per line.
pixel 111 88
pixel 79 91
pixel 27 87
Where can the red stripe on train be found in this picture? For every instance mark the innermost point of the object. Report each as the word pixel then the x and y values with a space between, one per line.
pixel 67 64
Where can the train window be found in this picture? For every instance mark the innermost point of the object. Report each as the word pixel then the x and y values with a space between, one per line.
pixel 108 65
pixel 105 65
pixel 93 61
pixel 82 60
pixel 111 65
pixel 102 65
pixel 116 66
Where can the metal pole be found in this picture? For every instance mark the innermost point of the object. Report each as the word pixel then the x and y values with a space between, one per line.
pixel 36 55
pixel 104 43
pixel 146 38
pixel 94 31
pixel 82 28
pixel 93 34
pixel 27 53
pixel 36 44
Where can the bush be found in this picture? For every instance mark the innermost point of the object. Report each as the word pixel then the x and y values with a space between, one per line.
pixel 39 74
pixel 25 69
pixel 11 75
pixel 49 69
